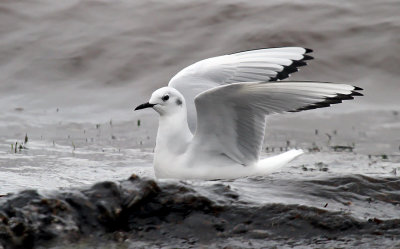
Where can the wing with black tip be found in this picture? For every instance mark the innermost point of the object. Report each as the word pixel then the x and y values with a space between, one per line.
pixel 231 118
pixel 271 64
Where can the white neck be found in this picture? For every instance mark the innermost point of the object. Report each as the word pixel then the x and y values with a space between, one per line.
pixel 173 134
pixel 173 138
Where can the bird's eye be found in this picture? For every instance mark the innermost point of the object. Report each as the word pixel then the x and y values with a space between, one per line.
pixel 165 98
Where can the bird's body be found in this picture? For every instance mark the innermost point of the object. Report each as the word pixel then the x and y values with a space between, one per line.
pixel 212 118
pixel 178 155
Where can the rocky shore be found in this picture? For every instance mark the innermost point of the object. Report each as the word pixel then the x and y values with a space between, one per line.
pixel 142 213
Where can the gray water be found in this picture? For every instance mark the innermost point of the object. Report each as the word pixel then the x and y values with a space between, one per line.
pixel 71 73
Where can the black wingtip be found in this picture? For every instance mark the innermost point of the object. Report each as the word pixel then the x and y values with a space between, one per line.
pixel 308 50
pixel 357 94
pixel 300 63
pixel 307 57
pixel 293 67
pixel 344 96
pixel 329 101
pixel 288 70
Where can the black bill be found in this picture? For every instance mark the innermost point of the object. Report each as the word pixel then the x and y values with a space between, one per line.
pixel 145 105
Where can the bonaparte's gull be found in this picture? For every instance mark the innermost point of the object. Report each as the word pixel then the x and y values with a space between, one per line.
pixel 212 113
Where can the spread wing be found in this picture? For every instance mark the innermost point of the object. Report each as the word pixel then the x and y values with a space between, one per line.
pixel 270 64
pixel 231 118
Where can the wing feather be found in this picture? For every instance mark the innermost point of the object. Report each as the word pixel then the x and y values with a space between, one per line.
pixel 270 64
pixel 231 118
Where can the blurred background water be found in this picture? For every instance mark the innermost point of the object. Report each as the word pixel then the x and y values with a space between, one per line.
pixel 72 71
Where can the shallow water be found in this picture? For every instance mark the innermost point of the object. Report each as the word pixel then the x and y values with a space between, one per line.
pixel 86 154
pixel 71 73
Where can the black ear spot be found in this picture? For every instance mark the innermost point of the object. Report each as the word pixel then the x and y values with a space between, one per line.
pixel 179 102
pixel 165 98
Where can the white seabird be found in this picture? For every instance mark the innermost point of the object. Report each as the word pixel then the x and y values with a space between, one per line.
pixel 213 113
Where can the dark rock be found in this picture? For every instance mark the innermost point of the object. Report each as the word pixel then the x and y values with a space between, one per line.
pixel 239 228
pixel 259 234
pixel 167 214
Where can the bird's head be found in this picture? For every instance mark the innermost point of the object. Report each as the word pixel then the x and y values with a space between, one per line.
pixel 165 101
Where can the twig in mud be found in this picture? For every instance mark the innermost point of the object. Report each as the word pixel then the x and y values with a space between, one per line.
pixel 342 148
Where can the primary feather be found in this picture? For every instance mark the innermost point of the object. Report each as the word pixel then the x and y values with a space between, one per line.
pixel 231 118
pixel 225 100
pixel 269 64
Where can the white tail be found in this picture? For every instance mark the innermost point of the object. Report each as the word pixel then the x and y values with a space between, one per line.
pixel 274 163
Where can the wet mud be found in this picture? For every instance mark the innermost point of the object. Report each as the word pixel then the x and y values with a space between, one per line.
pixel 71 73
pixel 142 213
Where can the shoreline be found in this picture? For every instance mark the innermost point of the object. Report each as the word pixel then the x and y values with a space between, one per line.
pixel 142 213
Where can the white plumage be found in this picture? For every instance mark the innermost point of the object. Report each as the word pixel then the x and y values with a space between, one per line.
pixel 255 65
pixel 225 100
